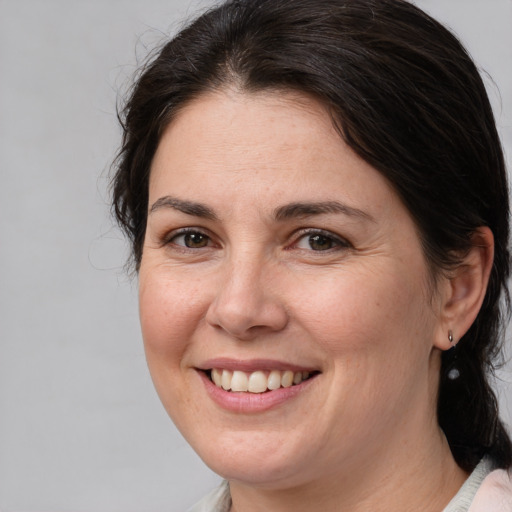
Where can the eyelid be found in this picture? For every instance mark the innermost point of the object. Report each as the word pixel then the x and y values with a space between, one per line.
pixel 340 242
pixel 175 233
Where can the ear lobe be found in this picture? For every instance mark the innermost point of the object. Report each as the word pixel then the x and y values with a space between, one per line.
pixel 466 288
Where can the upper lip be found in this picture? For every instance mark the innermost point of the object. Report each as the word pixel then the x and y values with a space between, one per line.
pixel 252 365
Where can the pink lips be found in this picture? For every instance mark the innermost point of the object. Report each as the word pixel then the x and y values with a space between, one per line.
pixel 245 402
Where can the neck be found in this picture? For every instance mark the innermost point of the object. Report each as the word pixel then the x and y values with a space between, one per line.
pixel 407 474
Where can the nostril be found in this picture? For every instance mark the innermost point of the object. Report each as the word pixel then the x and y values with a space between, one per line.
pixel 246 314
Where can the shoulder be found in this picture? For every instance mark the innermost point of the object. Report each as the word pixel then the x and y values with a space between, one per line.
pixel 495 493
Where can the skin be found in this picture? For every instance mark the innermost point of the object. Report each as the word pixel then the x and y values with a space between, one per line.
pixel 357 307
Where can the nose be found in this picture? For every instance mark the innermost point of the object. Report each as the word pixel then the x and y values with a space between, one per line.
pixel 247 303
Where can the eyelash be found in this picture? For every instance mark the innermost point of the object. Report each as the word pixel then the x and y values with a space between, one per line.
pixel 336 242
pixel 171 239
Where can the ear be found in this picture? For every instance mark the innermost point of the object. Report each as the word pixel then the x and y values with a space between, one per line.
pixel 464 290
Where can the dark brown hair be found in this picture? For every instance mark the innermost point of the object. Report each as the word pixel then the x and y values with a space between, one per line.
pixel 406 97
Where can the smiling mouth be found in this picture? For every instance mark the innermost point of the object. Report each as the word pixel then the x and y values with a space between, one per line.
pixel 259 381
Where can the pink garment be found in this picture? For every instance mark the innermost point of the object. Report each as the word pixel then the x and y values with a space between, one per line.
pixel 495 493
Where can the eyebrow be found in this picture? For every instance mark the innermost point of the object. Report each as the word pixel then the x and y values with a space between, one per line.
pixel 188 207
pixel 306 209
pixel 288 211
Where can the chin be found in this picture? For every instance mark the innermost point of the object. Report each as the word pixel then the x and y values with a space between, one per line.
pixel 258 458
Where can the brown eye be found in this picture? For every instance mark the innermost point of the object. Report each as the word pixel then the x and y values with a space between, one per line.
pixel 191 240
pixel 320 242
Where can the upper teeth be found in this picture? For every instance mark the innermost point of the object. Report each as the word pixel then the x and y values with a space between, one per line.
pixel 256 382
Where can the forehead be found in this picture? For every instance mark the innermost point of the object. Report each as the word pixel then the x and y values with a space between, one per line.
pixel 250 121
pixel 283 137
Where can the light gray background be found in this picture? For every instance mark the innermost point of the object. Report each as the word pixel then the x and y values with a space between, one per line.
pixel 81 428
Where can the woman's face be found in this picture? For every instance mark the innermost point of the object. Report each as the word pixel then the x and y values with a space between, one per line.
pixel 274 252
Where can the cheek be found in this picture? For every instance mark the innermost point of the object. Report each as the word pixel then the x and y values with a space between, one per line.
pixel 170 311
pixel 352 303
pixel 377 336
pixel 364 320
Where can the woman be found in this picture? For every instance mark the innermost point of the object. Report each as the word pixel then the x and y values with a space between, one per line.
pixel 317 202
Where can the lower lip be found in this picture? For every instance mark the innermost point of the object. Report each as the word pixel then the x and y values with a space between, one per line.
pixel 241 402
